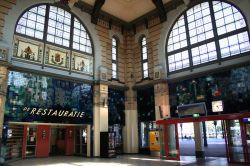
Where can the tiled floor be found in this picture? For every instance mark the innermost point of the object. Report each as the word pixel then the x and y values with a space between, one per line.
pixel 122 160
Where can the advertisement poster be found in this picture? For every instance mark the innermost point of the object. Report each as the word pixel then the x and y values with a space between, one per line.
pixel 154 141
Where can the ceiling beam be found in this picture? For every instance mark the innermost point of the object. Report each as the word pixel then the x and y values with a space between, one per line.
pixel 96 11
pixel 160 9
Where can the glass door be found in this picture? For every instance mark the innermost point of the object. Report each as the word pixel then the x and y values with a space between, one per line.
pixel 172 142
pixel 162 141
pixel 234 142
pixel 81 141
pixel 246 138
pixel 31 141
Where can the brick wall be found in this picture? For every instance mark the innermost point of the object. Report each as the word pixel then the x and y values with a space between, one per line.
pixel 5 6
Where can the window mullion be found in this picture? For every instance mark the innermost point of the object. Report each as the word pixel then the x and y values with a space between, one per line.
pixel 71 32
pixel 188 41
pixel 45 32
pixel 216 37
pixel 46 24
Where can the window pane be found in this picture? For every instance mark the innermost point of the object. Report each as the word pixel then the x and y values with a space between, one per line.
pixel 57 25
pixel 32 22
pixel 39 35
pixel 81 37
pixel 145 66
pixel 234 44
pixel 114 66
pixel 113 49
pixel 228 17
pixel 143 41
pixel 178 61
pixel 114 74
pixel 145 74
pixel 177 38
pixel 204 53
pixel 201 25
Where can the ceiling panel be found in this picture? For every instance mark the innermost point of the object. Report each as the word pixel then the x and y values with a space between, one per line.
pixel 126 10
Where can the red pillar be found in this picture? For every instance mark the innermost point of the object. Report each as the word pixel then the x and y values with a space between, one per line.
pixel 24 141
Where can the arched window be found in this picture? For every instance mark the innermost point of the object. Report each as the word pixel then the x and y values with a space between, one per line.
pixel 114 57
pixel 55 25
pixel 210 31
pixel 144 54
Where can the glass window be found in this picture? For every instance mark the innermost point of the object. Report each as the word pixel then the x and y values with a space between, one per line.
pixel 178 61
pixel 207 37
pixel 81 38
pixel 201 24
pixel 228 17
pixel 178 37
pixel 204 53
pixel 234 45
pixel 59 29
pixel 59 26
pixel 144 53
pixel 32 22
pixel 114 57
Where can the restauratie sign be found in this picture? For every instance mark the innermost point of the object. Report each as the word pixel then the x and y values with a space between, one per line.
pixel 53 112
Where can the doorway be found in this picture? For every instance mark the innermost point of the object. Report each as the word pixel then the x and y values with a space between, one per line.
pixel 81 141
pixel 57 141
pixel 212 135
pixel 235 132
pixel 31 141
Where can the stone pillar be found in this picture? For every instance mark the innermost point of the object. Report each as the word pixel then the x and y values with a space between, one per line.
pixel 100 115
pixel 3 91
pixel 130 130
pixel 162 107
pixel 199 148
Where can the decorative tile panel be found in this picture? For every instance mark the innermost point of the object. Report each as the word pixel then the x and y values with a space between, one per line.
pixel 29 50
pixel 82 63
pixel 57 57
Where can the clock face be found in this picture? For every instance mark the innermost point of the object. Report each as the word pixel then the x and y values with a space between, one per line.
pixel 217 106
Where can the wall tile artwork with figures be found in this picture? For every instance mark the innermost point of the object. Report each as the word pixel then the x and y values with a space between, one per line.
pixel 57 57
pixel 82 63
pixel 28 50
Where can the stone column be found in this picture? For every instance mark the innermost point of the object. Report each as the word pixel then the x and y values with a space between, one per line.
pixel 162 107
pixel 3 91
pixel 130 130
pixel 199 148
pixel 100 114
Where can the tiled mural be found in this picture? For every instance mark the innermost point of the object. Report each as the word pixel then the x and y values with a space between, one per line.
pixel 28 50
pixel 82 63
pixel 56 57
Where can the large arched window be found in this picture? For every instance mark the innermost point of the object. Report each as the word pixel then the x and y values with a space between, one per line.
pixel 114 57
pixel 144 54
pixel 56 26
pixel 210 31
